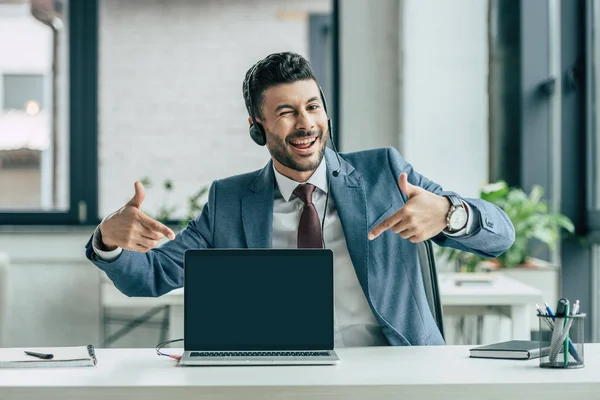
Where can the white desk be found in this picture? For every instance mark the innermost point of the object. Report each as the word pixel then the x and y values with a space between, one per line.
pixel 503 295
pixel 364 373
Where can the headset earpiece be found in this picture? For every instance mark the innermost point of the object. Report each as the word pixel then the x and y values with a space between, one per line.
pixel 257 134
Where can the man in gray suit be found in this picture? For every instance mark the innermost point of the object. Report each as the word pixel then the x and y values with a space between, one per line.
pixel 369 207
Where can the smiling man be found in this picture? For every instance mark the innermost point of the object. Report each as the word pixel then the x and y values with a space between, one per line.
pixel 294 124
pixel 368 207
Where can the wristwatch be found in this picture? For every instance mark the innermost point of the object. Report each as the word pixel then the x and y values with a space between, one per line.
pixel 457 216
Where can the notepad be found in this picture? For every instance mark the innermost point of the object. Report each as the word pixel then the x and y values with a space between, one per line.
pixel 513 349
pixel 77 356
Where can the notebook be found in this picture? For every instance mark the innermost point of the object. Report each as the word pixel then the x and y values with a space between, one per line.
pixel 77 356
pixel 513 349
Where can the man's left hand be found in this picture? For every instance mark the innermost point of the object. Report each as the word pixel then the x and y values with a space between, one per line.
pixel 422 217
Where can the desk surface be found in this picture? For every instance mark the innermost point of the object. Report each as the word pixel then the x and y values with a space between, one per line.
pixel 376 372
pixel 490 289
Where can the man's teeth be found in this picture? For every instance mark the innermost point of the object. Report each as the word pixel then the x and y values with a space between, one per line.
pixel 305 141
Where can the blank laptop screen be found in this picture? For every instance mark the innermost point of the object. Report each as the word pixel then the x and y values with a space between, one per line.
pixel 258 299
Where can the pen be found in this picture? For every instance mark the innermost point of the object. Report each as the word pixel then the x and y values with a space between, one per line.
pixel 561 308
pixel 546 321
pixel 565 334
pixel 566 339
pixel 555 342
pixel 539 310
pixel 575 309
pixel 43 356
pixel 549 312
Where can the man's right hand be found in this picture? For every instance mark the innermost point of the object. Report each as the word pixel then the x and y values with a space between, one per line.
pixel 131 229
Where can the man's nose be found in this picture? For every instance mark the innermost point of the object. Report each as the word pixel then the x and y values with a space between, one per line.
pixel 305 122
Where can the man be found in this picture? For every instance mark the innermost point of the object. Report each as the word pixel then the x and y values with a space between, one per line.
pixel 369 207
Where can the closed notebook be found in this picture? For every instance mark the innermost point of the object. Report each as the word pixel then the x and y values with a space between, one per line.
pixel 513 349
pixel 77 356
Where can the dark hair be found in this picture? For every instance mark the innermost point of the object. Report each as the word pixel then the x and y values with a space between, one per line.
pixel 274 69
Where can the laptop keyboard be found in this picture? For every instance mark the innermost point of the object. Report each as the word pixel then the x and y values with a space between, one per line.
pixel 259 353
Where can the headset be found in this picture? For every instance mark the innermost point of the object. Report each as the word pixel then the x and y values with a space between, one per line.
pixel 257 132
pixel 258 135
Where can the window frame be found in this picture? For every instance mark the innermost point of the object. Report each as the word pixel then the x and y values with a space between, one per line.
pixel 83 20
pixel 83 126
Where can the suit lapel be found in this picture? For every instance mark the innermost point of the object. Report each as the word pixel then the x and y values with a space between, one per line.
pixel 348 192
pixel 257 210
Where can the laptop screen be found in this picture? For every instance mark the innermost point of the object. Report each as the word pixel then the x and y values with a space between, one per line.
pixel 258 299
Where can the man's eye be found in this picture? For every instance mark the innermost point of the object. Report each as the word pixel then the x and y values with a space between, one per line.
pixel 313 107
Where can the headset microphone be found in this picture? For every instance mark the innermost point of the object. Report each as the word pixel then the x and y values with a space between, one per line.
pixel 336 172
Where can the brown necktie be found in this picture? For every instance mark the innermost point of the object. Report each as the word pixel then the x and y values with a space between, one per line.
pixel 309 228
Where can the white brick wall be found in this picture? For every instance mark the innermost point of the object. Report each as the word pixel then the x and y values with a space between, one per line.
pixel 170 103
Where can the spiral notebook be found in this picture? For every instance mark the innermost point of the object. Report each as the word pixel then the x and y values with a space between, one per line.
pixel 77 356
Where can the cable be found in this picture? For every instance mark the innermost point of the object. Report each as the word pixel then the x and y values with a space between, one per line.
pixel 325 213
pixel 163 344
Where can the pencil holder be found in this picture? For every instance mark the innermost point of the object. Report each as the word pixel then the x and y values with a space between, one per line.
pixel 561 341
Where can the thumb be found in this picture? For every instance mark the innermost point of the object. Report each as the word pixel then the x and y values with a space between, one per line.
pixel 138 197
pixel 408 188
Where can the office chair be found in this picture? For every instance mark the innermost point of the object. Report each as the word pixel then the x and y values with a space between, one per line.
pixel 430 281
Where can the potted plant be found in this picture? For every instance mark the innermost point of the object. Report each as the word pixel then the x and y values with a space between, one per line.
pixel 531 219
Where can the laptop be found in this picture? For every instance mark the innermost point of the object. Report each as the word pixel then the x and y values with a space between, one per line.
pixel 258 307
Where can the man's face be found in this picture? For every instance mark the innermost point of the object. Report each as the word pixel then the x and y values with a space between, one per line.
pixel 295 123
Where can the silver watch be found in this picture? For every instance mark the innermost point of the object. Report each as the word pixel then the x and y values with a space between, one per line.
pixel 457 216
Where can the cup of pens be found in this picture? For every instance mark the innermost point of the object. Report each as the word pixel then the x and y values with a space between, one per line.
pixel 561 336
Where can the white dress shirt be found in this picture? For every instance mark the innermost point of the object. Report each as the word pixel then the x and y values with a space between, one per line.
pixel 354 321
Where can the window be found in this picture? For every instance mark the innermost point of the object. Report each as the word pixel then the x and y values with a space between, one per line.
pixel 158 97
pixel 593 140
pixel 47 112
pixel 23 92
pixel 31 127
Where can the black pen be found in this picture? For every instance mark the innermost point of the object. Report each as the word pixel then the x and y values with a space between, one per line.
pixel 561 308
pixel 43 356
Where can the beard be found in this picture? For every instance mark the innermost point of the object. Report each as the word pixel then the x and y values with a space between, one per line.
pixel 280 151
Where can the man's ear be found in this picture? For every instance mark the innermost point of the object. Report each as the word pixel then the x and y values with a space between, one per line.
pixel 250 121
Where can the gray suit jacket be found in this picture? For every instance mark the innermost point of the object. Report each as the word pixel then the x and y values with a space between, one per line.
pixel 239 214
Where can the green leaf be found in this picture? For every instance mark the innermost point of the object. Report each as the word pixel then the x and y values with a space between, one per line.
pixel 565 222
pixel 536 194
pixel 494 192
pixel 546 235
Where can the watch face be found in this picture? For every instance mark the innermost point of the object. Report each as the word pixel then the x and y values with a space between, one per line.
pixel 458 219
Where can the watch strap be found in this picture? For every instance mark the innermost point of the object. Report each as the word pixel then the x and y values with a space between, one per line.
pixel 454 200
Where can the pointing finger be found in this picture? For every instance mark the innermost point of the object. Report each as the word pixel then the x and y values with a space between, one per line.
pixel 157 227
pixel 385 224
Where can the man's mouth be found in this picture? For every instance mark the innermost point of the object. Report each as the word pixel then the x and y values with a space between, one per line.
pixel 303 144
